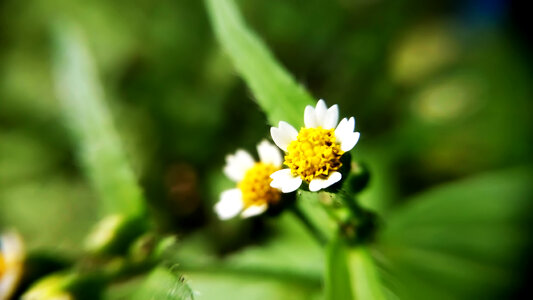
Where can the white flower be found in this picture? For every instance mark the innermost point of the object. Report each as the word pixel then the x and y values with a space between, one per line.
pixel 11 263
pixel 313 154
pixel 253 193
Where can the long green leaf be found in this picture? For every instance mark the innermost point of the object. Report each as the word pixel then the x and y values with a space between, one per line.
pixel 337 278
pixel 351 273
pixel 461 241
pixel 289 266
pixel 280 97
pixel 366 285
pixel 83 105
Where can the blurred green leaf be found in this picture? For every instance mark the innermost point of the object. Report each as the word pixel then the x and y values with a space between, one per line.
pixel 363 275
pixel 287 266
pixel 217 285
pixel 280 97
pixel 462 240
pixel 82 99
pixel 24 157
pixel 337 277
pixel 49 203
pixel 351 273
pixel 164 284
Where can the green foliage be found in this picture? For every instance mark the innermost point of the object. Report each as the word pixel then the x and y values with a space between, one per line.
pixel 165 284
pixel 337 278
pixel 351 273
pixel 461 240
pixel 173 108
pixel 280 97
pixel 88 117
pixel 287 266
pixel 365 281
pixel 34 205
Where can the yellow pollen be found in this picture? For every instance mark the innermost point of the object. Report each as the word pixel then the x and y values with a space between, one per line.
pixel 314 154
pixel 2 265
pixel 255 186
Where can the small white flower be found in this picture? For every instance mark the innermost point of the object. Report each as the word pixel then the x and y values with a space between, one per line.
pixel 253 193
pixel 12 255
pixel 313 154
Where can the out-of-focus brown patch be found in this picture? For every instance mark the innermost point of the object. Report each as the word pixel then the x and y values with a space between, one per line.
pixel 181 181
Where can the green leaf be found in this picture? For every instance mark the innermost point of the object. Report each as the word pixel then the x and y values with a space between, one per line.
pixel 287 266
pixel 462 240
pixel 280 97
pixel 164 284
pixel 216 285
pixel 83 105
pixel 351 273
pixel 366 283
pixel 337 276
pixel 41 203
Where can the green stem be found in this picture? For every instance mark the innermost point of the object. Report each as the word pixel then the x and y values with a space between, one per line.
pixel 315 232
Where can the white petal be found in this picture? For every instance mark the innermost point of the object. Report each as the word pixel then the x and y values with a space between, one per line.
pixel 254 210
pixel 284 181
pixel 345 135
pixel 237 165
pixel 320 110
pixel 330 118
pixel 318 184
pixel 283 135
pixel 345 126
pixel 349 141
pixel 310 117
pixel 269 153
pixel 230 204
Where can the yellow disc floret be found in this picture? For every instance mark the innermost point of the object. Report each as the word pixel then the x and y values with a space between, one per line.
pixel 255 186
pixel 314 154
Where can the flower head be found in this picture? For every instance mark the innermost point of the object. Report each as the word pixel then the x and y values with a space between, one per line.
pixel 313 154
pixel 11 263
pixel 253 193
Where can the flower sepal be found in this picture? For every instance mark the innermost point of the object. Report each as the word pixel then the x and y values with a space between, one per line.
pixel 358 178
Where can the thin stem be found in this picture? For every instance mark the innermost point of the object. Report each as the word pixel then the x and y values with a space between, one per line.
pixel 315 232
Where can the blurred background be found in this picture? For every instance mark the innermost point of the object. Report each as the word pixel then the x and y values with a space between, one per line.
pixel 441 91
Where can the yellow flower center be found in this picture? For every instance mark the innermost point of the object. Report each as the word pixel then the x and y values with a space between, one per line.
pixel 255 186
pixel 2 265
pixel 314 154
